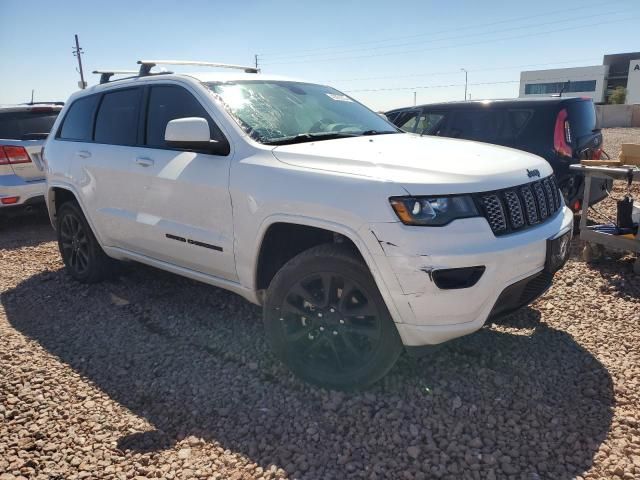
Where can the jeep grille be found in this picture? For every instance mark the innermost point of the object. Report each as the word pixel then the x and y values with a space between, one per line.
pixel 518 208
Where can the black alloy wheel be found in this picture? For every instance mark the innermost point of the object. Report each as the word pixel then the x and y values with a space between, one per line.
pixel 327 321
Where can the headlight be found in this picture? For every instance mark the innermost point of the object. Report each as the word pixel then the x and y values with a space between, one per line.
pixel 433 211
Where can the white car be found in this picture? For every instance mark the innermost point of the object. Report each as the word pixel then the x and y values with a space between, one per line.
pixel 23 129
pixel 357 239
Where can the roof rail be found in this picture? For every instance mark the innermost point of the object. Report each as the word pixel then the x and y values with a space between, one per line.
pixel 105 75
pixel 147 65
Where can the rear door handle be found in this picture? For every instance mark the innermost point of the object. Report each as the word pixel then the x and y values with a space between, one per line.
pixel 144 161
pixel 84 154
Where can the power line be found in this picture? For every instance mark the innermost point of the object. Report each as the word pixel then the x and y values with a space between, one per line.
pixel 537 34
pixel 467 35
pixel 422 87
pixel 456 72
pixel 467 27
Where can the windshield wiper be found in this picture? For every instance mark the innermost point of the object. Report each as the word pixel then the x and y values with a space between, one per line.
pixel 378 132
pixel 308 137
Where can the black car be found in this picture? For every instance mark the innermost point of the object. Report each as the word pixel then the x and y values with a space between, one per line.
pixel 560 130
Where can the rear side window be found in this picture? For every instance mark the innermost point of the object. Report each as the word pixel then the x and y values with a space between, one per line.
pixel 499 126
pixel 168 103
pixel 480 125
pixel 26 125
pixel 582 117
pixel 117 120
pixel 78 122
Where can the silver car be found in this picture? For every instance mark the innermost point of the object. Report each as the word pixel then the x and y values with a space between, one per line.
pixel 23 130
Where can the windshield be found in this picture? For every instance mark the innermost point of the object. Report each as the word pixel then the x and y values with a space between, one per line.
pixel 280 112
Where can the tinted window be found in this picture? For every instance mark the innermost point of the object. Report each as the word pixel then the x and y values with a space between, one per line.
pixel 167 103
pixel 78 122
pixel 117 120
pixel 26 125
pixel 499 126
pixel 582 116
pixel 480 125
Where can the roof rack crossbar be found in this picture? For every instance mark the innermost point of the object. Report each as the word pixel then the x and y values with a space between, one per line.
pixel 147 65
pixel 105 75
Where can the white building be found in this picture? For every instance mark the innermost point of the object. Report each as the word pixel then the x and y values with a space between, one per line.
pixel 596 82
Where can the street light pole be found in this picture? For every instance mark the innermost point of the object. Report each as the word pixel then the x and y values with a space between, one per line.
pixel 466 77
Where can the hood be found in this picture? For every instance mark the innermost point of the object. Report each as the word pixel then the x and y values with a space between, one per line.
pixel 422 165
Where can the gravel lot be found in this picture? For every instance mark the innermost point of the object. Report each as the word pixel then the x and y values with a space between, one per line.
pixel 155 376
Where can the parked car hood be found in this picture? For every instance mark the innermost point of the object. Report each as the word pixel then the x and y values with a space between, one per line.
pixel 421 165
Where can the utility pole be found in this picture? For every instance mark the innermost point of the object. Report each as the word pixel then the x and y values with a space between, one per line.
pixel 32 96
pixel 255 57
pixel 465 81
pixel 77 51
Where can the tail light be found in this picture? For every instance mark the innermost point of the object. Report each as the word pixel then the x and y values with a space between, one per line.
pixel 596 154
pixel 577 205
pixel 562 134
pixel 13 155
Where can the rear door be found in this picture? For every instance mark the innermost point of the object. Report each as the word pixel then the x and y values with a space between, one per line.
pixel 105 169
pixel 187 202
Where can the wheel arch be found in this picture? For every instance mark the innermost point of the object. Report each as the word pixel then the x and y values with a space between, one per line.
pixel 339 233
pixel 57 194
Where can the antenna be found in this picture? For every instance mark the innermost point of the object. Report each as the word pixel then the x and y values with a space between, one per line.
pixel 147 65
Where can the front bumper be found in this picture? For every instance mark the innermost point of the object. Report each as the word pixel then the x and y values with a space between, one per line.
pixel 29 193
pixel 405 258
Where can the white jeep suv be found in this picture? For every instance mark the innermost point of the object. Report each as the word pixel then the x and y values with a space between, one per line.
pixel 357 239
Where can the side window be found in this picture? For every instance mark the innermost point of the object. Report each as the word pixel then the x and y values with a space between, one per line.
pixel 117 120
pixel 169 102
pixel 407 120
pixel 479 125
pixel 78 122
pixel 429 123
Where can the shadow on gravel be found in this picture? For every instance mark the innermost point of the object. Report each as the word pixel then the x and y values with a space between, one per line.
pixel 616 269
pixel 191 360
pixel 28 230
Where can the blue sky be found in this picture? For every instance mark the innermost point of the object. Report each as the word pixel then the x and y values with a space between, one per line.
pixel 378 51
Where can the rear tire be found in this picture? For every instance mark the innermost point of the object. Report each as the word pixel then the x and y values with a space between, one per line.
pixel 326 320
pixel 81 253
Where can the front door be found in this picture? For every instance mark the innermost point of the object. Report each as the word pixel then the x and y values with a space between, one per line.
pixel 186 206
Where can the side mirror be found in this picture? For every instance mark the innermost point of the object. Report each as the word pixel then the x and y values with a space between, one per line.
pixel 192 133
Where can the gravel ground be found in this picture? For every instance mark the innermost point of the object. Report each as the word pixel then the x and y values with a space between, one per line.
pixel 156 376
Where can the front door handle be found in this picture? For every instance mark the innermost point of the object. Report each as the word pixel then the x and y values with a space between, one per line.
pixel 144 161
pixel 84 154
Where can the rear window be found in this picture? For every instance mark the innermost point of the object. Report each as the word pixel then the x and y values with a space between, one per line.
pixel 117 120
pixel 582 117
pixel 26 125
pixel 78 122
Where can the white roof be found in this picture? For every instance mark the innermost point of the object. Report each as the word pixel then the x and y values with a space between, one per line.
pixel 236 76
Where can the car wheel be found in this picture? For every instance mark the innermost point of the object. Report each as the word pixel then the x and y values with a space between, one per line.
pixel 81 253
pixel 326 320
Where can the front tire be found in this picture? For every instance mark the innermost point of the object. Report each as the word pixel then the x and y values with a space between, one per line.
pixel 326 320
pixel 81 253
